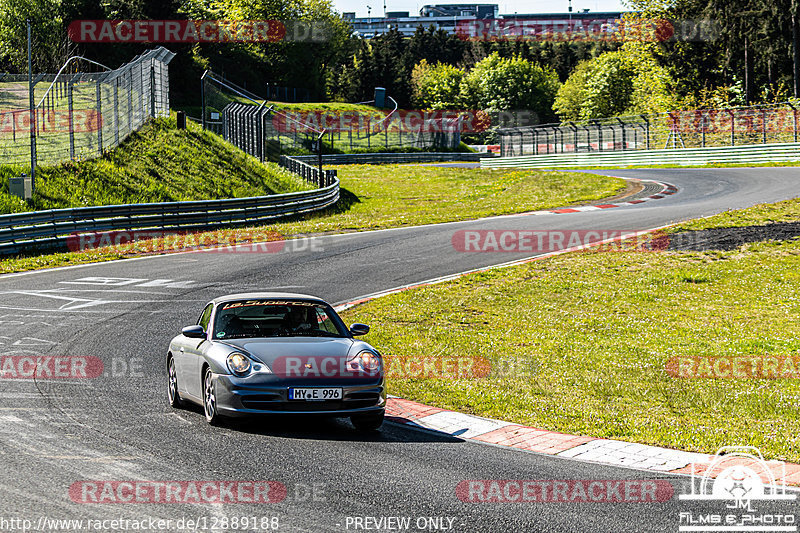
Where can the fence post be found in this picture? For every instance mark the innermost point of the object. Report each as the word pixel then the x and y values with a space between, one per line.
pixel 574 136
pixel 647 130
pixel 703 130
pixel 130 99
pixel 152 90
pixel 599 136
pixel 141 95
pixel 98 95
pixel 763 126
pixel 613 138
pixel 733 128
pixel 71 121
pixel 116 112
pixel 203 98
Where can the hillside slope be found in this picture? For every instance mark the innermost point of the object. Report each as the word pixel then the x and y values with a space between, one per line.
pixel 159 163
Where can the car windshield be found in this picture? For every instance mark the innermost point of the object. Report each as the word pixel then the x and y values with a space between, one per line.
pixel 268 318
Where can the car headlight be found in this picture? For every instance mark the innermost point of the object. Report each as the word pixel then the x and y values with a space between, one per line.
pixel 365 361
pixel 239 364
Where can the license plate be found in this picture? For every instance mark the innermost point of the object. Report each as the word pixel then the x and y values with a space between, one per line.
pixel 315 394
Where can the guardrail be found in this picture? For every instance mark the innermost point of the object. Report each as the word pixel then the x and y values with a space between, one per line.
pixel 310 173
pixel 392 158
pixel 50 230
pixel 772 153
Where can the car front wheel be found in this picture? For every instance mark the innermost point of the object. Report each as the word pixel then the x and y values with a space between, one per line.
pixel 210 399
pixel 173 395
pixel 368 421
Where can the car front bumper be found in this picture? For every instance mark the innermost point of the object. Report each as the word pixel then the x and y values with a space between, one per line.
pixel 244 396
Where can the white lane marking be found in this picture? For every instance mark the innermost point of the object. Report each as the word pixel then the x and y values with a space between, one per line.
pixel 138 282
pixel 168 283
pixel 74 302
pixel 120 291
pixel 97 280
pixel 33 341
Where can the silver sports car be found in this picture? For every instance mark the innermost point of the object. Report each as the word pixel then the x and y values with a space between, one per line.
pixel 276 353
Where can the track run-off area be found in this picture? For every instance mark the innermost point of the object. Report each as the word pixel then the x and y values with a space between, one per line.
pixel 60 437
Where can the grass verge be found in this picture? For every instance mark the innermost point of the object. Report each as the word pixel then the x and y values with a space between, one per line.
pixel 595 330
pixel 378 197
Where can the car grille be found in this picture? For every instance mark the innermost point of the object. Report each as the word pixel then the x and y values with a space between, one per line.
pixel 270 402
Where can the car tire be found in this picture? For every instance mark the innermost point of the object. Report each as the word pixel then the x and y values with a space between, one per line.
pixel 210 399
pixel 368 421
pixel 173 395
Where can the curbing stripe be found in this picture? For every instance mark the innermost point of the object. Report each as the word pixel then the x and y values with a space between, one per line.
pixel 575 447
pixel 666 189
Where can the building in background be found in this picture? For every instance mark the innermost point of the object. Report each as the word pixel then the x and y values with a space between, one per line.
pixel 455 17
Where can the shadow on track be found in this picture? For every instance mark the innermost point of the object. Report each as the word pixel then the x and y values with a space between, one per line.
pixel 324 428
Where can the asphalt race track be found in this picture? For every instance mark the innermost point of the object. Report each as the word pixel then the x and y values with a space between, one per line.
pixel 118 426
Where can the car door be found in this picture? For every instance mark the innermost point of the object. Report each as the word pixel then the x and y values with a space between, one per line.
pixel 192 356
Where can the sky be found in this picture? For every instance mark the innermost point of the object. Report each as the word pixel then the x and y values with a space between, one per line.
pixel 506 6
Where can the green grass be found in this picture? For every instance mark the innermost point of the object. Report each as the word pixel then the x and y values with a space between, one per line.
pixel 388 196
pixel 159 163
pixel 327 107
pixel 377 197
pixel 595 330
pixel 758 215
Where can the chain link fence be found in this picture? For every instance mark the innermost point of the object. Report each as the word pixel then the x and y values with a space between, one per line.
pixel 265 131
pixel 777 123
pixel 77 114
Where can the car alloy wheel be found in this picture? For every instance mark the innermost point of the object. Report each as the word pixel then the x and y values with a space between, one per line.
pixel 172 389
pixel 210 399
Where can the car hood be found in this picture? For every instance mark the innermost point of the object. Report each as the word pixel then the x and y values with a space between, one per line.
pixel 266 350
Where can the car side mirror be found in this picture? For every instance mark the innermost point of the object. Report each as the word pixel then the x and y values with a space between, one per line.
pixel 359 329
pixel 194 332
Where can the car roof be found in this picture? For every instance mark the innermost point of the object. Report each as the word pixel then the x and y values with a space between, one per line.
pixel 266 296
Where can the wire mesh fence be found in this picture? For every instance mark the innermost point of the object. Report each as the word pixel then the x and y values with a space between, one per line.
pixel 777 123
pixel 264 130
pixel 80 114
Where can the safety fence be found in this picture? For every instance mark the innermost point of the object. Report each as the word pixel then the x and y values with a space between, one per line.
pixel 310 173
pixel 268 129
pixel 394 158
pixel 79 114
pixel 766 124
pixel 56 229
pixel 734 155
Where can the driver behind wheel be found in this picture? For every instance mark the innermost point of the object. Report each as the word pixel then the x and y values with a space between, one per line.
pixel 296 319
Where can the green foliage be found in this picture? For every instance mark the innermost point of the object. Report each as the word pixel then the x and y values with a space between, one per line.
pixel 615 83
pixel 499 84
pixel 50 44
pixel 436 86
pixel 571 95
